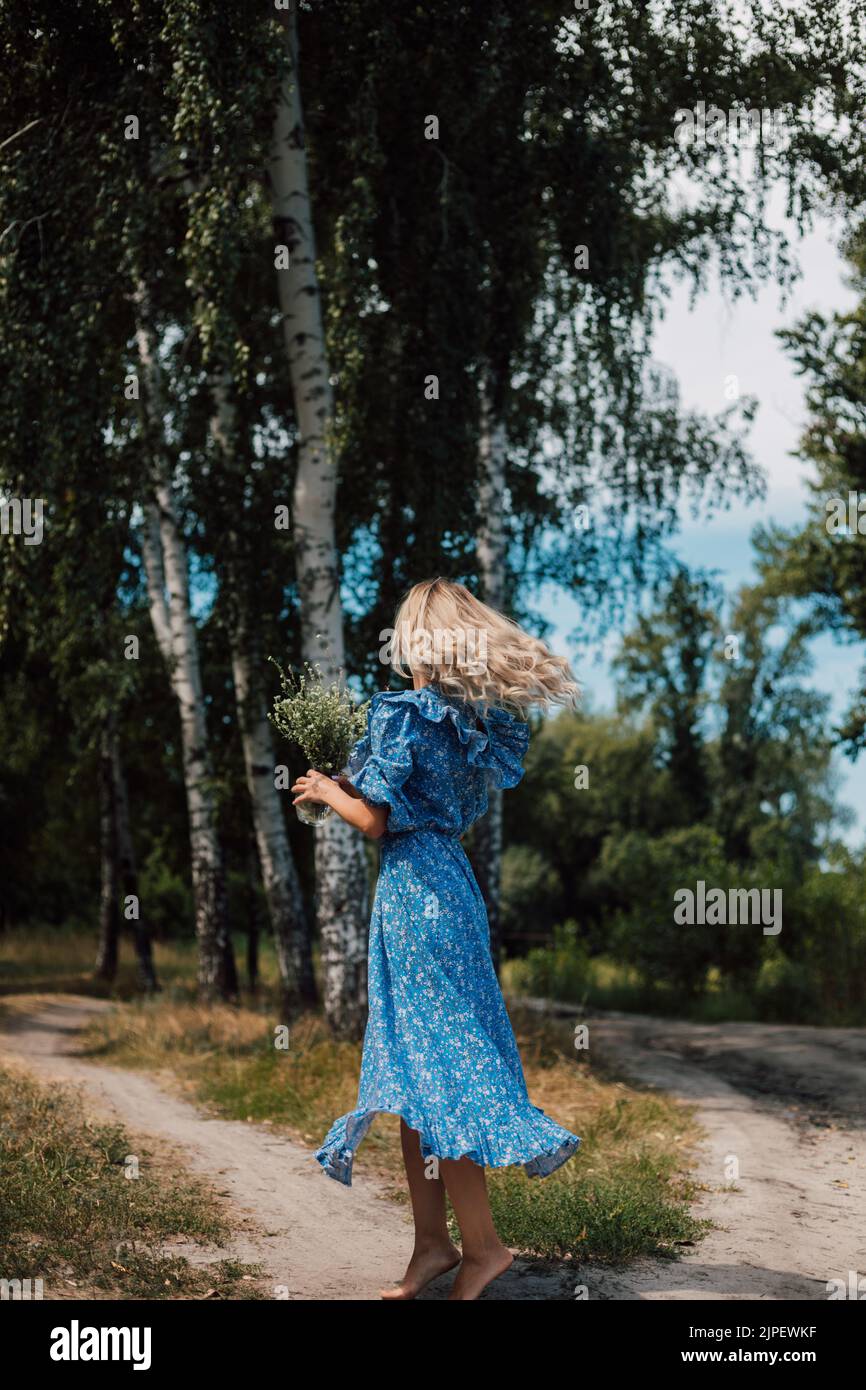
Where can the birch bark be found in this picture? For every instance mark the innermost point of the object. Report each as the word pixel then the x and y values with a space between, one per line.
pixel 341 878
pixel 167 576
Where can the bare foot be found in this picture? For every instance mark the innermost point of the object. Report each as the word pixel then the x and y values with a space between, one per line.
pixel 426 1264
pixel 476 1272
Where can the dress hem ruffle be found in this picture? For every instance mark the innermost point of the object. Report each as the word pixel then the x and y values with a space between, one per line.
pixel 336 1158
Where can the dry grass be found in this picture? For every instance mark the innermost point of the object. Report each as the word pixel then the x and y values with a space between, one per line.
pixel 72 1216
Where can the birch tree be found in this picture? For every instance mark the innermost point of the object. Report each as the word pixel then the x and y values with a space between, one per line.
pixel 216 110
pixel 166 568
pixel 341 892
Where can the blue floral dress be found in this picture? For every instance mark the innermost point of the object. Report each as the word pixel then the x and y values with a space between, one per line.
pixel 439 1048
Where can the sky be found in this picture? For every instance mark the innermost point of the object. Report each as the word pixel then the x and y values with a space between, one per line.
pixel 704 344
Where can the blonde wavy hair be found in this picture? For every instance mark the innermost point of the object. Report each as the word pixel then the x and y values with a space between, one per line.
pixel 449 638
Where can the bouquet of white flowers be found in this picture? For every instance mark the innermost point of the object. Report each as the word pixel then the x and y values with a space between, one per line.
pixel 324 722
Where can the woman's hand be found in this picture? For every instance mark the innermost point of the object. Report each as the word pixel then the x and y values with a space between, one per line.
pixel 345 800
pixel 314 786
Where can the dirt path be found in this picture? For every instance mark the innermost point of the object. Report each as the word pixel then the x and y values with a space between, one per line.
pixel 316 1239
pixel 789 1105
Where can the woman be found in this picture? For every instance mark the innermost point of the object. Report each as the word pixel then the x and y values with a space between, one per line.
pixel 439 1050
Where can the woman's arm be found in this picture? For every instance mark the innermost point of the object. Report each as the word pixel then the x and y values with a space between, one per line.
pixel 350 806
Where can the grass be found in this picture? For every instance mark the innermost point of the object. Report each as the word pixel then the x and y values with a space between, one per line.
pixel 59 959
pixel 71 1216
pixel 626 1192
pixel 603 983
pixel 781 989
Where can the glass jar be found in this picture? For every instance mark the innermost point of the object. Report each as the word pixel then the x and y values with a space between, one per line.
pixel 315 813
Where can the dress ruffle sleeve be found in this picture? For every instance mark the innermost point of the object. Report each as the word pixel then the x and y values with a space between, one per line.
pixel 507 742
pixel 381 762
pixel 495 741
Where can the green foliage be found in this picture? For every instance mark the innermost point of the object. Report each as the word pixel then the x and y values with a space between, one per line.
pixel 559 971
pixel 644 873
pixel 529 889
pixel 167 893
pixel 663 666
pixel 823 566
pixel 718 770
pixel 323 721
pixel 823 944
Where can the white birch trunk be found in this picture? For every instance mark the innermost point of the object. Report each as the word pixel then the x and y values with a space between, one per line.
pixel 491 553
pixel 341 879
pixel 315 489
pixel 165 563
